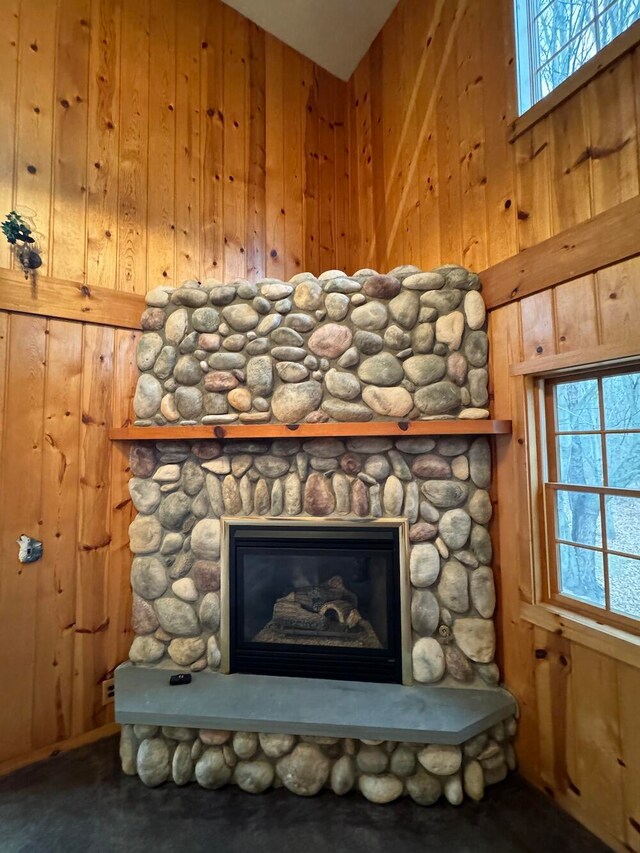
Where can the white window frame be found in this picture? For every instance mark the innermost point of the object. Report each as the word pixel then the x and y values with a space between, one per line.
pixel 529 89
pixel 548 587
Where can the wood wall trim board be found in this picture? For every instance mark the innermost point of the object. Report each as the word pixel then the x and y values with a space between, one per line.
pixel 513 540
pixel 601 241
pixel 70 300
pixel 628 683
pixel 605 57
pixel 51 751
pixel 605 639
pixel 397 428
pixel 576 358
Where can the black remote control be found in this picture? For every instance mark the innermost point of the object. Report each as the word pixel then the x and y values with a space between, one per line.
pixel 181 678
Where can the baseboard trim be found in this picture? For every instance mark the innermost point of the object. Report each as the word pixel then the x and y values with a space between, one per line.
pixel 46 752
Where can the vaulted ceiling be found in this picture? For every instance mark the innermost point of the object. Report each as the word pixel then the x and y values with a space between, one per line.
pixel 335 34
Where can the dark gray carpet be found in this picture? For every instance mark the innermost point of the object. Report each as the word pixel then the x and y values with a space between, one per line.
pixel 80 801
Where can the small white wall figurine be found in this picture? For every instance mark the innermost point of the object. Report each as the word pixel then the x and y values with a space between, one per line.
pixel 29 549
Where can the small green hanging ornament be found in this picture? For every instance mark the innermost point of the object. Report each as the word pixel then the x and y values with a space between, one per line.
pixel 20 237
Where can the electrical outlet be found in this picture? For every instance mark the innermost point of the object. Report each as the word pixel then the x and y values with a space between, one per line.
pixel 108 691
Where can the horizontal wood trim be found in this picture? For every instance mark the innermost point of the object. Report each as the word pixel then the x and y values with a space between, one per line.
pixel 605 239
pixel 604 639
pixel 397 428
pixel 578 358
pixel 69 300
pixel 46 752
pixel 609 54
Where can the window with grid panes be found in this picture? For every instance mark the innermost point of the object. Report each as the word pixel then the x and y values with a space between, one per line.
pixel 591 482
pixel 555 37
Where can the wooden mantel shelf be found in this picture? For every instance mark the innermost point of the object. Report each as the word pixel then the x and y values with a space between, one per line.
pixel 397 428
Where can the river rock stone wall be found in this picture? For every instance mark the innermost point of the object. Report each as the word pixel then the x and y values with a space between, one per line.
pixel 409 344
pixel 181 489
pixel 382 771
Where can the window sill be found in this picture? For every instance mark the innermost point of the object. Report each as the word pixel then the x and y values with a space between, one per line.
pixel 624 43
pixel 604 639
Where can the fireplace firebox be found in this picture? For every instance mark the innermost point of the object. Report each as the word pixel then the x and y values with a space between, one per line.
pixel 315 600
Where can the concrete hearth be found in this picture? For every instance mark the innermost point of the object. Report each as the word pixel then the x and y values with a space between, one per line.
pixel 308 706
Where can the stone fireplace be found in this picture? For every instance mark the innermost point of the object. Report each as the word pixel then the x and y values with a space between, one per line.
pixel 336 552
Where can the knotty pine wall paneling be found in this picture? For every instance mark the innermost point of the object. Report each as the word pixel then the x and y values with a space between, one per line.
pixel 434 178
pixel 578 739
pixel 157 144
pixel 157 141
pixel 430 153
pixel 65 618
pixel 154 142
pixel 9 39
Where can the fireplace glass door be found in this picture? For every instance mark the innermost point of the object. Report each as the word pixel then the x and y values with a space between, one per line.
pixel 315 601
